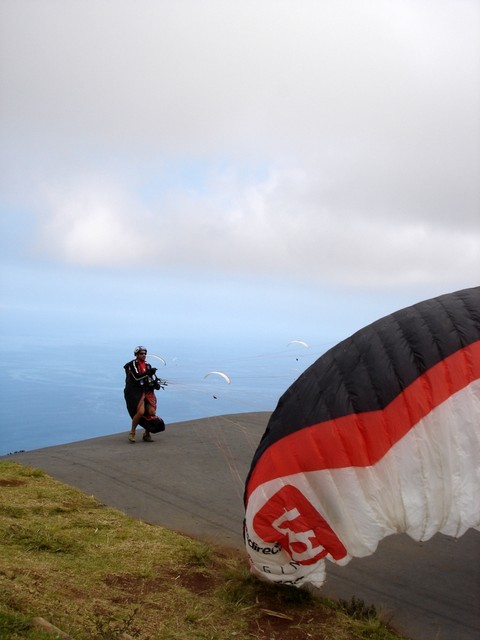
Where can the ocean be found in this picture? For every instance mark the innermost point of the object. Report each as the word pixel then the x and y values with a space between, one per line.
pixel 66 393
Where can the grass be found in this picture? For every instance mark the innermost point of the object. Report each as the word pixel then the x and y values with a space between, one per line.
pixel 95 573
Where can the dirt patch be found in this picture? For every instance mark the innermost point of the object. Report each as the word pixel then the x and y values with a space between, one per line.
pixel 197 582
pixel 135 585
pixel 275 625
pixel 11 483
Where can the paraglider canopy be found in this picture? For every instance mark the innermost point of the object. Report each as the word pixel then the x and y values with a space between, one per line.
pixel 299 342
pixel 380 435
pixel 218 373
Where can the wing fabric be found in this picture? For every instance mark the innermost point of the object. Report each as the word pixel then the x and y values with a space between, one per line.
pixel 380 435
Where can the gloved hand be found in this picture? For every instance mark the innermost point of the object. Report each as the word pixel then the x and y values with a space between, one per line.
pixel 152 371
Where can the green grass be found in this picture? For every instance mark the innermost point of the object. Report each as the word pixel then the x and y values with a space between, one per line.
pixel 95 573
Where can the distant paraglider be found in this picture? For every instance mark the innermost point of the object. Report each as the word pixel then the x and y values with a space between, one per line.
pixel 300 342
pixel 218 373
pixel 380 435
pixel 151 355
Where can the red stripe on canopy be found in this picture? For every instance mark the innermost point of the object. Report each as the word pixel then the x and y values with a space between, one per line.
pixel 362 439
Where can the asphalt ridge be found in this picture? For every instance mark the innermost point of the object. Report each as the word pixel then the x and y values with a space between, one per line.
pixel 191 479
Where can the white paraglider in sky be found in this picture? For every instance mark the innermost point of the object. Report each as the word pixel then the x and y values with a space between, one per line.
pixel 302 343
pixel 218 373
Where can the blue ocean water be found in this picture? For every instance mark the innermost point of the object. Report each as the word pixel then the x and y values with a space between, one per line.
pixel 55 395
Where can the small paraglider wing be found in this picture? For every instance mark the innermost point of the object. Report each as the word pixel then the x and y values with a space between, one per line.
pixel 302 343
pixel 151 355
pixel 380 435
pixel 218 373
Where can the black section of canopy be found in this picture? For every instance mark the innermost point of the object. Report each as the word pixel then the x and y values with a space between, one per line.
pixel 368 370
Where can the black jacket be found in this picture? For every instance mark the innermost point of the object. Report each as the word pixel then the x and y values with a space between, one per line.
pixel 135 378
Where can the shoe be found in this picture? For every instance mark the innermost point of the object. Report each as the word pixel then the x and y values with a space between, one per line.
pixel 147 437
pixel 131 437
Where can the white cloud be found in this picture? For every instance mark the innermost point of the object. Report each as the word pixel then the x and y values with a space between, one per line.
pixel 362 116
pixel 274 227
pixel 88 225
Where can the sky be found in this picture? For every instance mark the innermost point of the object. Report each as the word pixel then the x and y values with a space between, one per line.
pixel 230 171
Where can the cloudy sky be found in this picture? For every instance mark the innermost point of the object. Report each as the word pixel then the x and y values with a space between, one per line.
pixel 294 168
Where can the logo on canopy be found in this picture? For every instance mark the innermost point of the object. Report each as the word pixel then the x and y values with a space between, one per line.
pixel 289 519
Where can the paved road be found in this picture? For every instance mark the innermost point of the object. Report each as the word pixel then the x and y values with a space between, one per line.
pixel 191 480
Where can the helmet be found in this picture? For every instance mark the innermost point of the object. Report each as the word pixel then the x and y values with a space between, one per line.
pixel 137 349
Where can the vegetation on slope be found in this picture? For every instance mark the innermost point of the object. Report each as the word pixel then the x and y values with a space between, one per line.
pixel 94 573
